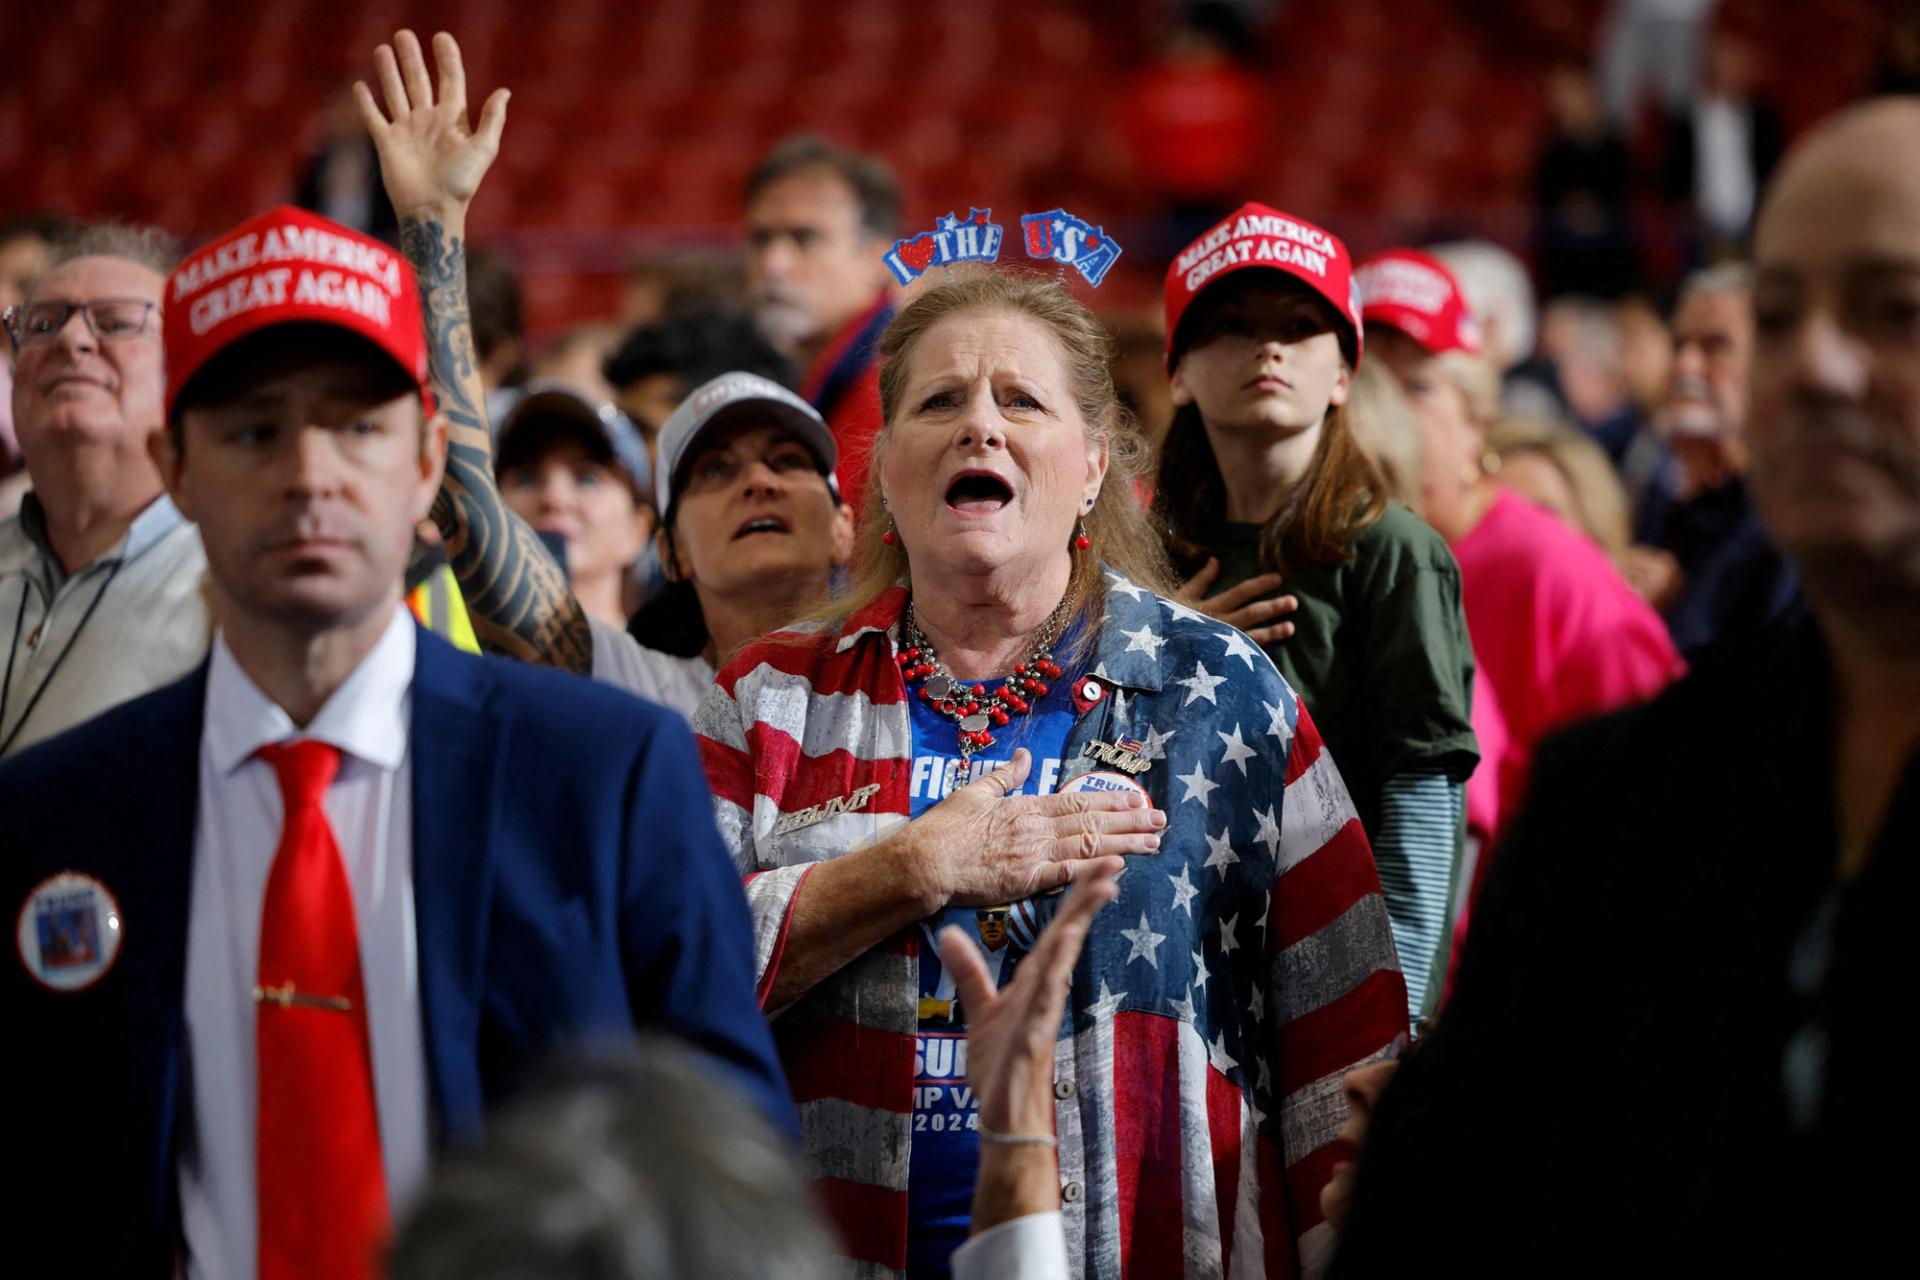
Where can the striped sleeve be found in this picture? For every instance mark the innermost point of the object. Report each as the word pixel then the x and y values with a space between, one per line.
pixel 1415 849
pixel 728 760
pixel 722 739
pixel 1339 997
pixel 788 726
pixel 770 897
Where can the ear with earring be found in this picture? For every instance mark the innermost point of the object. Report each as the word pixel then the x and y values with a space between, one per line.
pixel 891 536
pixel 1080 539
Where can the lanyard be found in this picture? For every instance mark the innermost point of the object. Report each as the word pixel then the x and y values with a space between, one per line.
pixel 20 617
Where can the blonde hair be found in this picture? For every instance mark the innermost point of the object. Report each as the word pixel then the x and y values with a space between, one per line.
pixel 1478 382
pixel 1599 499
pixel 1383 425
pixel 1117 525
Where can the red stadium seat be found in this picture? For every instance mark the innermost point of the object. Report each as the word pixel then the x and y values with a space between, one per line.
pixel 651 115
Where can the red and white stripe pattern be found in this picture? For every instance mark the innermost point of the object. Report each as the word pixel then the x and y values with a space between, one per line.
pixel 1243 971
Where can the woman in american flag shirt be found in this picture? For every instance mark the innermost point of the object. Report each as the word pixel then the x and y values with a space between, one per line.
pixel 1001 703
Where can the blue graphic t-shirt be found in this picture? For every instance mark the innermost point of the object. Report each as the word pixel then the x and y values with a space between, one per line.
pixel 946 1120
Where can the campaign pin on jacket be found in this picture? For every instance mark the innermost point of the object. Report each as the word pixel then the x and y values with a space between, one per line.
pixel 1125 754
pixel 1058 236
pixel 69 932
pixel 1102 780
pixel 853 802
pixel 974 239
pixel 1088 693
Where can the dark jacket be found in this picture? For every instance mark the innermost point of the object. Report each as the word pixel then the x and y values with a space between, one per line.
pixel 1611 1089
pixel 1734 582
pixel 569 884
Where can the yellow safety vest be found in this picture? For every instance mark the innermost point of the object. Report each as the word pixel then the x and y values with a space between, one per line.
pixel 438 604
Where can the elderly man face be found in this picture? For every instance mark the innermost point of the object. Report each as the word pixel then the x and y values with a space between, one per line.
pixel 1834 428
pixel 1704 413
pixel 97 383
pixel 811 264
pixel 1712 359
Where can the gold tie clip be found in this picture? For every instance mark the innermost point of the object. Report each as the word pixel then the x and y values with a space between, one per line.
pixel 285 996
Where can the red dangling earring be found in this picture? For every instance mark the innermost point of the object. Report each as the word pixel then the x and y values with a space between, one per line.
pixel 1080 539
pixel 889 537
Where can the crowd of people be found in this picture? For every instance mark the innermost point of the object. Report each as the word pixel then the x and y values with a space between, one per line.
pixel 856 779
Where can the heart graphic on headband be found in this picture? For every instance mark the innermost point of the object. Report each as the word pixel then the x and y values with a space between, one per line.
pixel 918 252
pixel 975 238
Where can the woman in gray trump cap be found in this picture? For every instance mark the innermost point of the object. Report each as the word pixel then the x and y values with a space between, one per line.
pixel 751 530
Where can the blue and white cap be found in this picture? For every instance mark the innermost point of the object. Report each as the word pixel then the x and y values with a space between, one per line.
pixel 728 400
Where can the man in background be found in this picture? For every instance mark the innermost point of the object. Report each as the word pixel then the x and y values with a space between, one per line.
pixel 1721 575
pixel 819 218
pixel 1667 1047
pixel 363 883
pixel 100 578
pixel 656 365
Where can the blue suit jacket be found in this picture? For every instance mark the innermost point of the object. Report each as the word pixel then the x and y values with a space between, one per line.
pixel 568 884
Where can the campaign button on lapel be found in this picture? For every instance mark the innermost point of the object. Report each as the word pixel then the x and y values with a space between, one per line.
pixel 69 932
pixel 1103 780
pixel 1087 693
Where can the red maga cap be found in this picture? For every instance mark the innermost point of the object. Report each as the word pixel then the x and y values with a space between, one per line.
pixel 289 266
pixel 1416 294
pixel 1256 236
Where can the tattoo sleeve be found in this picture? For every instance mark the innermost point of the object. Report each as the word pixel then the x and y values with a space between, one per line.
pixel 517 596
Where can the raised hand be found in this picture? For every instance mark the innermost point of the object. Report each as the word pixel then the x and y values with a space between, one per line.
pixel 431 161
pixel 1010 1033
pixel 1010 1046
pixel 432 164
pixel 983 845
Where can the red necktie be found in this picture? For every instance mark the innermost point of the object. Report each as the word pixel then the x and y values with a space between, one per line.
pixel 322 1190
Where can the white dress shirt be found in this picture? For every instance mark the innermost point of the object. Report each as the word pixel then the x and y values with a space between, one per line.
pixel 236 831
pixel 1029 1248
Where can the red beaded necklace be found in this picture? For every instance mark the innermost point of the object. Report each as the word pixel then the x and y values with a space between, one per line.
pixel 971 706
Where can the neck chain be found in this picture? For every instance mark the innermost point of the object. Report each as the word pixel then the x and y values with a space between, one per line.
pixel 971 706
pixel 20 617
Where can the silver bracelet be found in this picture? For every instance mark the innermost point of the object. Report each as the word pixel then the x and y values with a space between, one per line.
pixel 1018 1139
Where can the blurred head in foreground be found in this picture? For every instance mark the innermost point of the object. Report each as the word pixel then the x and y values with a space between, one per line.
pixel 626 1167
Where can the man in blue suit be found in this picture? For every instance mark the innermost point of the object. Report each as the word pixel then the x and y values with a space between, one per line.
pixel 288 926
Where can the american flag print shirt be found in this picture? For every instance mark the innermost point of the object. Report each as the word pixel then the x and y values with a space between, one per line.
pixel 1242 971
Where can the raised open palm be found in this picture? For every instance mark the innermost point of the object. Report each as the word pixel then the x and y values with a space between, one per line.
pixel 1011 1032
pixel 431 161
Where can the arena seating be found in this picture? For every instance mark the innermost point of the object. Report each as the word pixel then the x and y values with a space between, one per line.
pixel 630 118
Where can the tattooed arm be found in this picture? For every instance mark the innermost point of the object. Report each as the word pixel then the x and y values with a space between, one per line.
pixel 518 597
pixel 432 165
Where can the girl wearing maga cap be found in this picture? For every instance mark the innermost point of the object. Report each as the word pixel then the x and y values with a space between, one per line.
pixel 1262 478
pixel 1560 634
